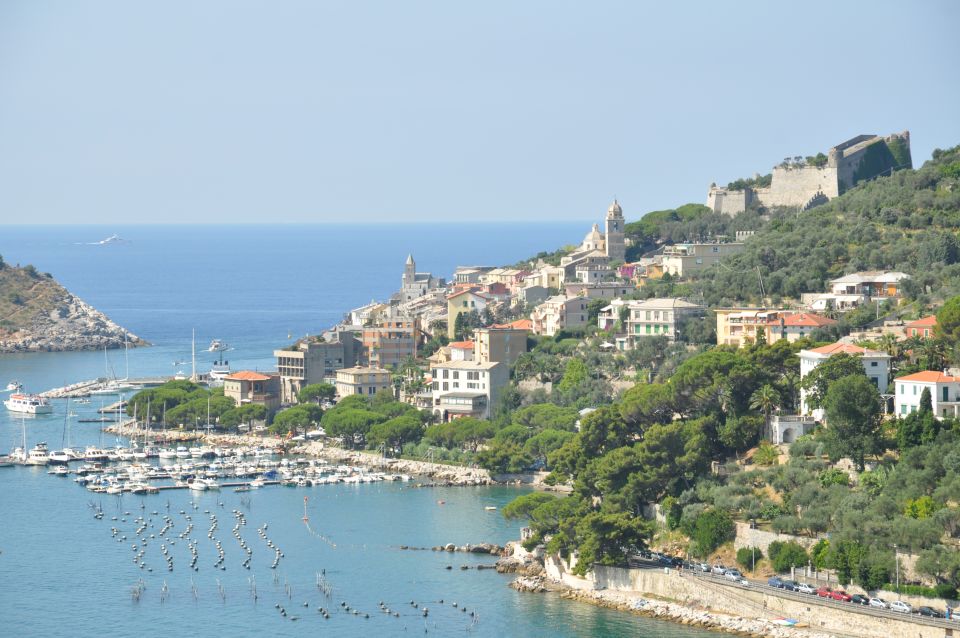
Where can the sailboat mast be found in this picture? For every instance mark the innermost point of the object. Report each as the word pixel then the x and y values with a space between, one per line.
pixel 193 357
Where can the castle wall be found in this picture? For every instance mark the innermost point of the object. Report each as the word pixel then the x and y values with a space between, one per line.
pixel 794 186
pixel 728 202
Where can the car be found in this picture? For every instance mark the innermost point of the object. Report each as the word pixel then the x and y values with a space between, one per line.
pixel 929 612
pixel 879 603
pixel 718 569
pixel 824 592
pixel 645 553
pixel 689 565
pixel 744 582
pixel 804 588
pixel 790 585
pixel 859 599
pixel 899 605
pixel 775 581
pixel 839 594
pixel 703 567
pixel 733 574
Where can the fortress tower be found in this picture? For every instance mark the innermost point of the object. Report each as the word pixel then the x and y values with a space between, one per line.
pixel 616 249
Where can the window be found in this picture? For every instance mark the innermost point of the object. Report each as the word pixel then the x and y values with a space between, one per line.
pixel 464 303
pixel 699 260
pixel 446 386
pixel 903 408
pixel 902 391
pixel 876 381
pixel 946 393
pixel 716 249
pixel 648 328
pixel 456 374
pixel 914 390
pixel 874 364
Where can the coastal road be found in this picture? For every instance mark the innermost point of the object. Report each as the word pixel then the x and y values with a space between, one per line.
pixel 813 599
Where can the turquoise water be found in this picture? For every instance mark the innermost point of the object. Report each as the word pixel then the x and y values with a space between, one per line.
pixel 62 571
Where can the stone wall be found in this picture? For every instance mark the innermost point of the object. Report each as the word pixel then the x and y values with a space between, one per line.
pixel 795 186
pixel 761 539
pixel 704 593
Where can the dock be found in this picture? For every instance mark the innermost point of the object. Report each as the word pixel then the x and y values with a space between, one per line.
pixel 99 385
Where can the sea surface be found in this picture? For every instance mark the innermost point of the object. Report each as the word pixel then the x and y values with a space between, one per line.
pixel 65 573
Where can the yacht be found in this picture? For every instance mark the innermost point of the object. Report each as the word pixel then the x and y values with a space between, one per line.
pixel 94 454
pixel 28 404
pixel 167 453
pixel 183 452
pixel 38 455
pixel 13 386
pixel 215 346
pixel 59 457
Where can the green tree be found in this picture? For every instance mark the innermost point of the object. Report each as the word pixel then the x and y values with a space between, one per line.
pixel 766 399
pixel 818 381
pixel 708 531
pixel 784 555
pixel 395 432
pixel 350 424
pixel 747 557
pixel 852 407
pixel 574 375
pixel 523 506
pixel 948 321
pixel 608 538
pixel 316 393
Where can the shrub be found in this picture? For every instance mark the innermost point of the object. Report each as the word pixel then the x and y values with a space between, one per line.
pixel 766 454
pixel 803 446
pixel 784 555
pixel 709 530
pixel 748 556
pixel 942 590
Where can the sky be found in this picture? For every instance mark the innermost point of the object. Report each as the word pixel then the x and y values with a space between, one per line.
pixel 232 111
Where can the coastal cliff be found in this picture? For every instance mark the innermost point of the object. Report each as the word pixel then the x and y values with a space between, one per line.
pixel 37 314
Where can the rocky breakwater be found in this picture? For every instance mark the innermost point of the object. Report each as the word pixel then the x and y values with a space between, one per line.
pixel 37 314
pixel 663 610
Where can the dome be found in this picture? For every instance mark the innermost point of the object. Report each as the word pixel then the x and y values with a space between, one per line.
pixel 615 209
pixel 594 235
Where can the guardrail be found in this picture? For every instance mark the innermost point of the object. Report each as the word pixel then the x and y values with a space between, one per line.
pixel 759 585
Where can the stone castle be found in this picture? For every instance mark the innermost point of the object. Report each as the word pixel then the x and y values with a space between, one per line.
pixel 804 184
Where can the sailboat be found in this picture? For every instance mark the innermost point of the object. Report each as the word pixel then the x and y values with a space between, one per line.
pixel 67 454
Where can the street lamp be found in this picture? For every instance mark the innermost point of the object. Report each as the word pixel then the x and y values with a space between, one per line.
pixel 896 558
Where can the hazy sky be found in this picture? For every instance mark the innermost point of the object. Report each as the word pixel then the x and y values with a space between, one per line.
pixel 236 111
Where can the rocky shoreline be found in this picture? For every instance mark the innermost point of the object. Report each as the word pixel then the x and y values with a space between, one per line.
pixel 69 324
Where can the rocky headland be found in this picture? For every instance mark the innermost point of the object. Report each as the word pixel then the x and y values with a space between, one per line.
pixel 37 314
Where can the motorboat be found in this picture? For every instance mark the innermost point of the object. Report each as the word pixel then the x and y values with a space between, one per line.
pixel 13 386
pixel 183 452
pixel 38 455
pixel 60 457
pixel 167 453
pixel 28 404
pixel 95 455
pixel 215 346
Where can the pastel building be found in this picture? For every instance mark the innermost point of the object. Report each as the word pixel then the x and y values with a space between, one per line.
pixel 922 328
pixel 362 380
pixel 307 362
pixel 467 388
pixel 249 387
pixel 876 365
pixel 680 260
pixel 944 393
pixel 501 343
pixel 559 313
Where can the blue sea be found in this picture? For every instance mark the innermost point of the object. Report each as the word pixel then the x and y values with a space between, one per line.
pixel 65 573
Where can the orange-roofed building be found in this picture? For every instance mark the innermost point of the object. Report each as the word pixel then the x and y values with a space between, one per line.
pixel 519 324
pixel 461 350
pixel 258 388
pixel 876 365
pixel 922 328
pixel 944 393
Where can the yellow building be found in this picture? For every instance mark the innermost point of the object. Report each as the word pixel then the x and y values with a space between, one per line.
pixel 464 301
pixel 362 380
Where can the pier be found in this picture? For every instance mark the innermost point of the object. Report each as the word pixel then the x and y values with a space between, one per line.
pixel 103 385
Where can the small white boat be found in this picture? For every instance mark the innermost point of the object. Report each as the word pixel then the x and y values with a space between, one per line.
pixel 215 346
pixel 28 404
pixel 490 508
pixel 183 452
pixel 13 386
pixel 60 457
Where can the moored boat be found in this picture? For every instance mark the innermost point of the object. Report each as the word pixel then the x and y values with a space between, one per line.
pixel 28 404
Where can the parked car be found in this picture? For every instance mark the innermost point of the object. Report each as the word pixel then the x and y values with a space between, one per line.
pixel 839 594
pixel 733 574
pixel 775 581
pixel 718 569
pixel 899 605
pixel 804 588
pixel 929 612
pixel 791 585
pixel 744 582
pixel 824 592
pixel 879 602
pixel 859 599
pixel 703 567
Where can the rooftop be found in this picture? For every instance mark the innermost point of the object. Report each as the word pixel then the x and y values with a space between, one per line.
pixel 807 319
pixel 929 376
pixel 846 348
pixel 468 365
pixel 924 322
pixel 462 345
pixel 363 370
pixel 871 276
pixel 247 375
pixel 519 324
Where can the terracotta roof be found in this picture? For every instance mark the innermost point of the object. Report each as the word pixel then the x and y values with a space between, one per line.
pixel 476 292
pixel 247 375
pixel 519 324
pixel 924 322
pixel 929 376
pixel 847 348
pixel 462 345
pixel 807 319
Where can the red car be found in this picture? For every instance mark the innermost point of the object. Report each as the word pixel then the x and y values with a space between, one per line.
pixel 825 592
pixel 840 595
